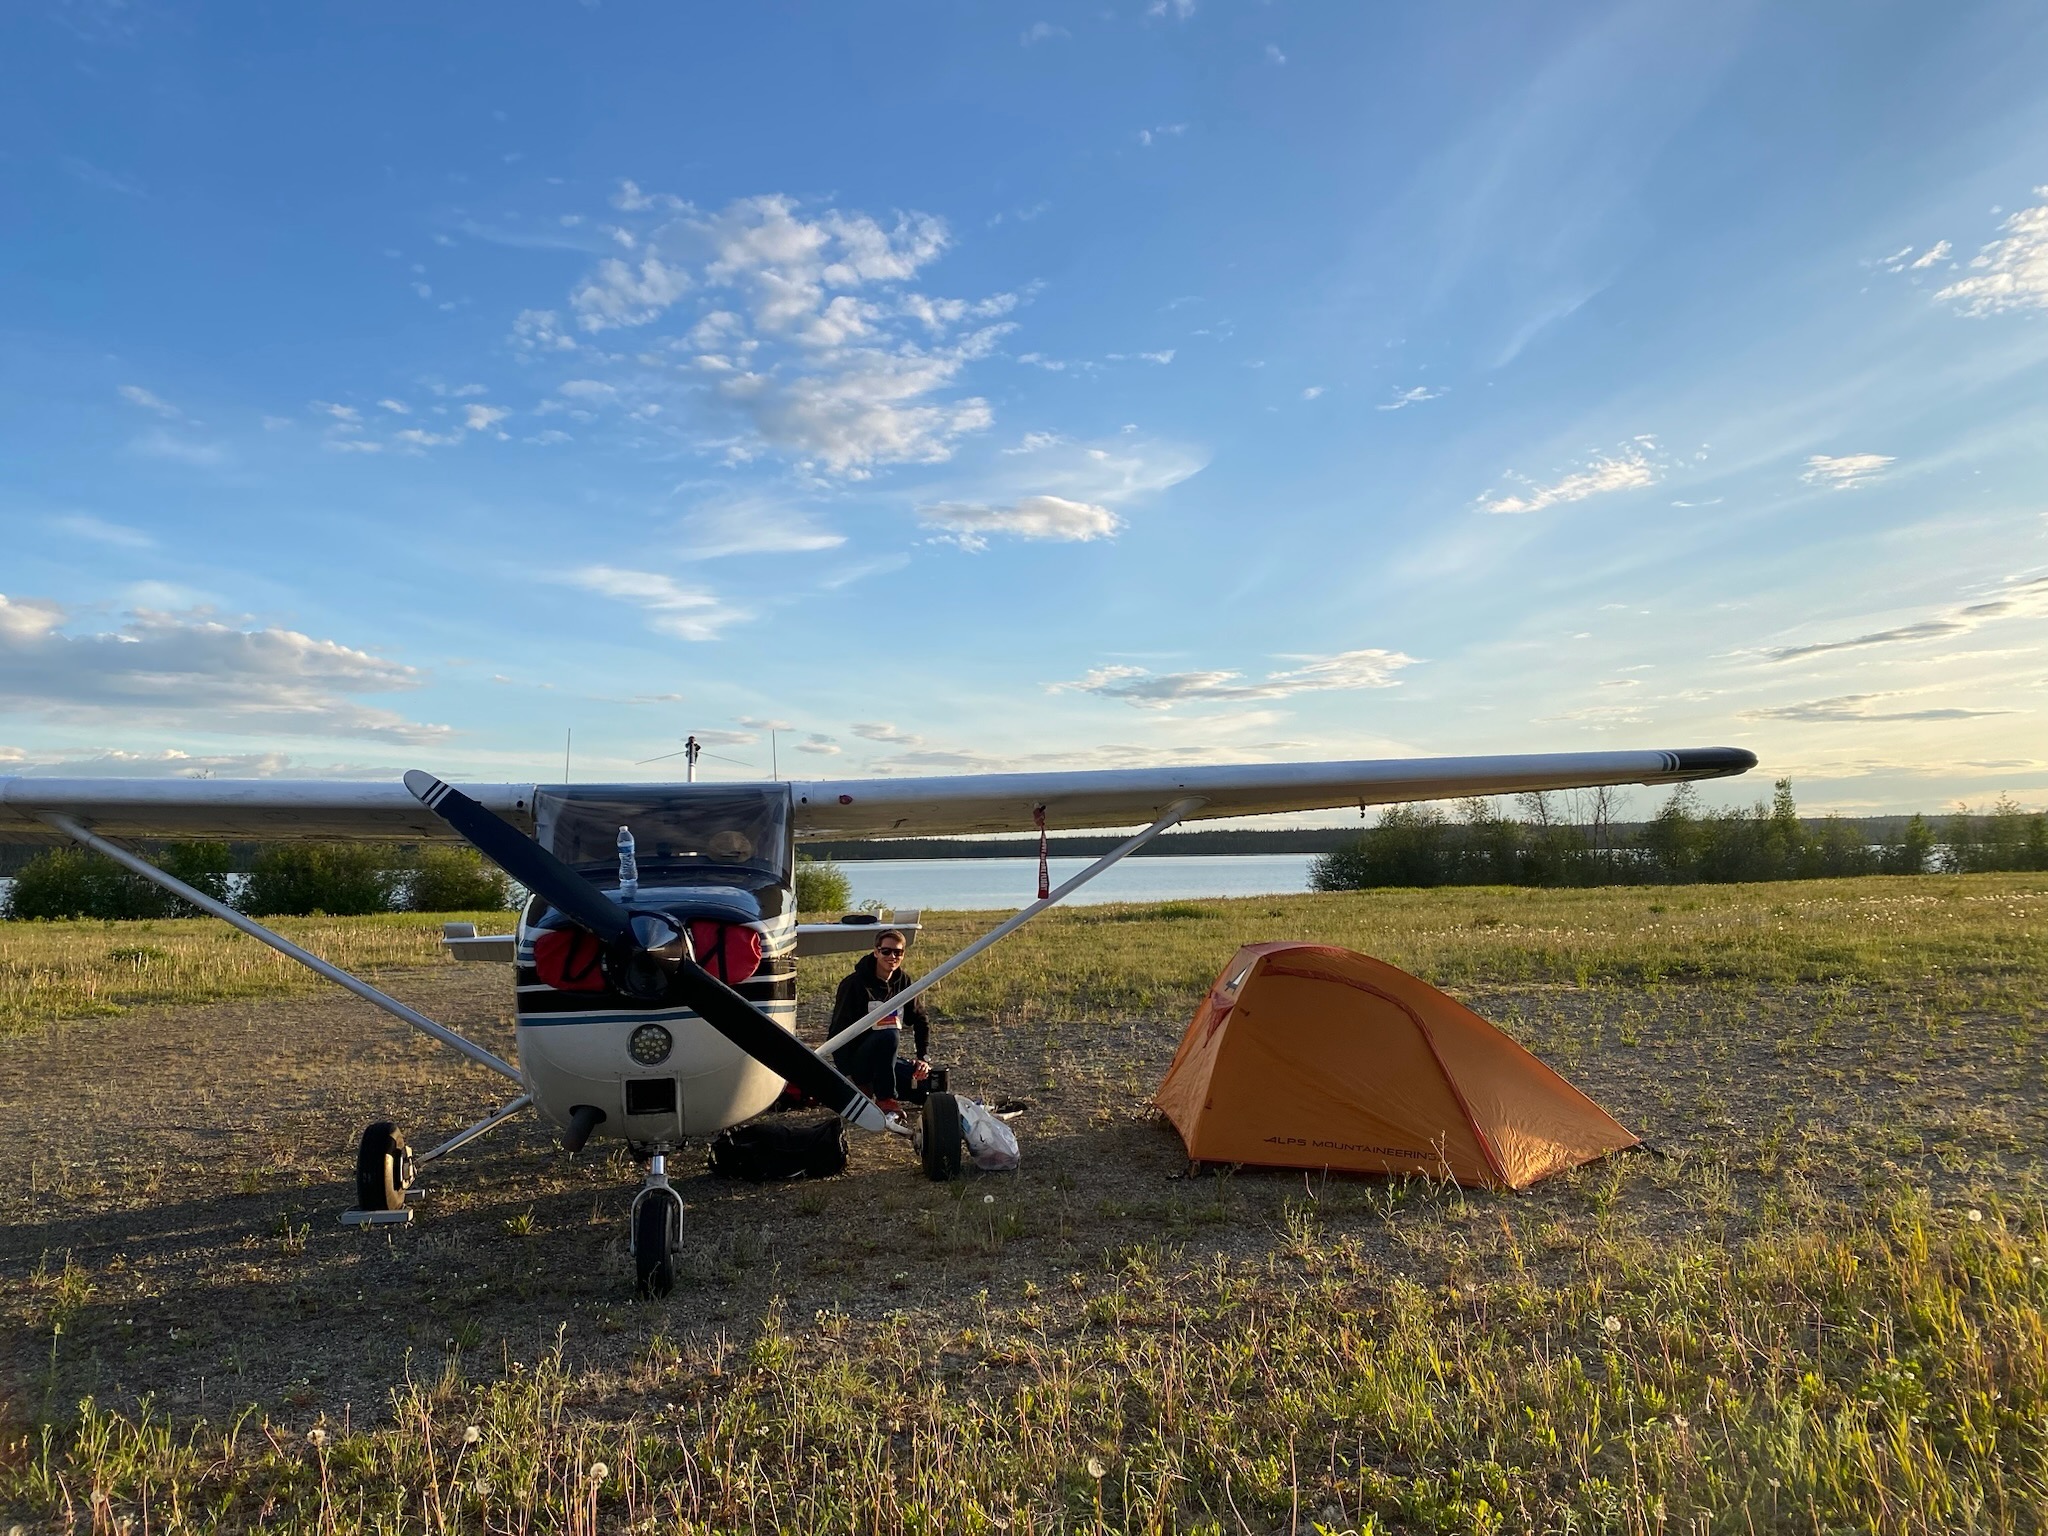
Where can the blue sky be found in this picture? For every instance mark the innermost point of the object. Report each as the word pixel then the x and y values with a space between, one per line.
pixel 959 387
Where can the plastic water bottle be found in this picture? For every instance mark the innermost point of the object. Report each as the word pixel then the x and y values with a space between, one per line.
pixel 629 866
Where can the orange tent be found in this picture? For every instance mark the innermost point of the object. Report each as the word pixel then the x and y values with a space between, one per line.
pixel 1309 1056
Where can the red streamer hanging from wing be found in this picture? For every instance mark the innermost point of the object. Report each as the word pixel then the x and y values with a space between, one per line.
pixel 1044 869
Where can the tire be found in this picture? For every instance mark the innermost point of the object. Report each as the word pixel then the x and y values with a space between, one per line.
pixel 654 1244
pixel 380 1169
pixel 942 1137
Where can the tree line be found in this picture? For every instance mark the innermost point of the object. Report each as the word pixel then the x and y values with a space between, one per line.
pixel 1559 841
pixel 283 880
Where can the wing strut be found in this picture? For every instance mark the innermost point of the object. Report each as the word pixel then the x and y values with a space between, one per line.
pixel 284 946
pixel 1179 810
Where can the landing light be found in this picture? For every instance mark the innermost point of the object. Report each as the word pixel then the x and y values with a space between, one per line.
pixel 650 1045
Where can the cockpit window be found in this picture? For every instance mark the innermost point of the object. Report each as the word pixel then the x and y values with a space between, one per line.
pixel 693 832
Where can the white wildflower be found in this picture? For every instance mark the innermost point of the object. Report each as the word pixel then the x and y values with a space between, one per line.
pixel 599 1472
pixel 1612 1325
pixel 1096 1469
pixel 471 1435
pixel 316 1438
pixel 1974 1214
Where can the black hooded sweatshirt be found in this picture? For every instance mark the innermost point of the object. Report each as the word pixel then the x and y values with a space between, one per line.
pixel 863 989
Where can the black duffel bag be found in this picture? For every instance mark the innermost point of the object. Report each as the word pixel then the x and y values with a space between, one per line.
pixel 767 1151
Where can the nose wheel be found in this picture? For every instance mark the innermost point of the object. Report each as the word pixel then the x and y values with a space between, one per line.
pixel 657 1231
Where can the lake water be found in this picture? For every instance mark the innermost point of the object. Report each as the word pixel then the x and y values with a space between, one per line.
pixel 1006 884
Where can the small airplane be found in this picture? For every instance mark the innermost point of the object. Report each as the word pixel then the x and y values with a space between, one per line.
pixel 656 957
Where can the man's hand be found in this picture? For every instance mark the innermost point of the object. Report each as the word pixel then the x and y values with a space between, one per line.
pixel 920 1070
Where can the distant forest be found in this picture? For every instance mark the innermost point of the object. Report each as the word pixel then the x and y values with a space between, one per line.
pixel 1420 845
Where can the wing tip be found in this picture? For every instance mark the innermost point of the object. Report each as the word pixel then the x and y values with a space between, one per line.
pixel 1711 762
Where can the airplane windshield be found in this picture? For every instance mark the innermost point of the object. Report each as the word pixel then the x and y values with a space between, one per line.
pixel 699 830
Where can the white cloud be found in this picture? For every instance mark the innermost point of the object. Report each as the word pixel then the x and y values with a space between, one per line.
pixel 1847 472
pixel 684 612
pixel 2017 597
pixel 135 394
pixel 1032 517
pixel 118 535
pixel 1937 252
pixel 1316 674
pixel 1150 136
pixel 481 418
pixel 820 744
pixel 1627 469
pixel 1042 32
pixel 1314 391
pixel 2011 273
pixel 190 670
pixel 623 295
pixel 801 329
pixel 1179 10
pixel 342 413
pixel 395 407
pixel 1407 397
pixel 1274 55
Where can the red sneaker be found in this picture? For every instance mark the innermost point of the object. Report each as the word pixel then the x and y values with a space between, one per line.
pixel 888 1106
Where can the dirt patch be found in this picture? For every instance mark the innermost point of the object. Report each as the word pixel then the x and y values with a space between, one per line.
pixel 170 1182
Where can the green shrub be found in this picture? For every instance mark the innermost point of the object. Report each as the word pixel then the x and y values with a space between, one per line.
pixel 75 882
pixel 339 879
pixel 821 886
pixel 455 880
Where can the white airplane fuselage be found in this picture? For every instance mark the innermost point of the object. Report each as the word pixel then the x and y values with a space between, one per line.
pixel 577 1047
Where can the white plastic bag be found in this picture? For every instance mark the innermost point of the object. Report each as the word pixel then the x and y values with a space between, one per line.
pixel 990 1142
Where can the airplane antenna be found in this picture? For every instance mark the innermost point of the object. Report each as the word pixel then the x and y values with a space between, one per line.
pixel 567 741
pixel 690 751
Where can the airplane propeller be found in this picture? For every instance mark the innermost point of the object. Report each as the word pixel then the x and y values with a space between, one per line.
pixel 646 956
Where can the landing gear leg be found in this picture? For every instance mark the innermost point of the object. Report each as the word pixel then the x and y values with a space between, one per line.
pixel 657 1230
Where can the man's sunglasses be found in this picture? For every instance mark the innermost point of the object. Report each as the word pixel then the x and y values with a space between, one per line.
pixel 888 949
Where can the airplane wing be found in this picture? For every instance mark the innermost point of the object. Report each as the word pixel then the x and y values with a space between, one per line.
pixel 267 809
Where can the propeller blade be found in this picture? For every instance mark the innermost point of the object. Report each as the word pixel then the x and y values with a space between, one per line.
pixel 766 1041
pixel 522 858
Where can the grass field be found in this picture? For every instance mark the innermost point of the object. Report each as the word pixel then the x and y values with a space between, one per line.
pixel 1823 1307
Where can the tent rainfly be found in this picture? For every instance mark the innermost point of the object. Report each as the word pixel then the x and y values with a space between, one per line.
pixel 1310 1056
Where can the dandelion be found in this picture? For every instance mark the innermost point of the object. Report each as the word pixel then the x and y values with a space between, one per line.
pixel 483 1487
pixel 471 1435
pixel 316 1438
pixel 1612 1325
pixel 1681 1421
pixel 1974 1214
pixel 1096 1469
pixel 599 1472
pixel 988 1199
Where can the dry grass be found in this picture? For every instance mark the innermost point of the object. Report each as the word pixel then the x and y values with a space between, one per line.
pixel 1790 1321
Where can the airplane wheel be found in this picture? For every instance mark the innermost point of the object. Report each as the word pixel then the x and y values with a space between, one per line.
pixel 655 1237
pixel 381 1158
pixel 942 1137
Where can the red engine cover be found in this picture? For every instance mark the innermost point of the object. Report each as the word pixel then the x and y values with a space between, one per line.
pixel 567 959
pixel 726 950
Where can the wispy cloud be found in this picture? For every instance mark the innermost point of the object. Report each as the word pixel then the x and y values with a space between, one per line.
pixel 2018 597
pixel 970 524
pixel 1407 397
pixel 2010 273
pixel 1846 472
pixel 1630 468
pixel 1274 55
pixel 1316 674
pixel 1150 136
pixel 1862 708
pixel 685 612
pixel 753 527
pixel 135 394
pixel 881 730
pixel 160 444
pixel 1042 32
pixel 1179 10
pixel 116 535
